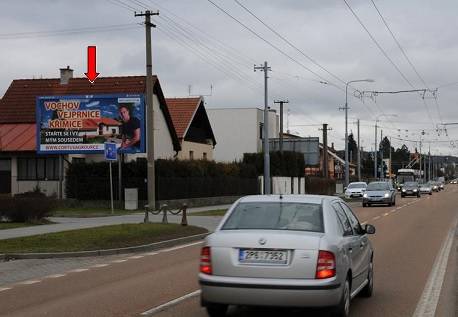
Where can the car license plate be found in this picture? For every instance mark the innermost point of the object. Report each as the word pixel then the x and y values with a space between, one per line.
pixel 263 256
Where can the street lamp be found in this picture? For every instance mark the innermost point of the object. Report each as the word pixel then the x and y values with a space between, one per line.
pixel 347 167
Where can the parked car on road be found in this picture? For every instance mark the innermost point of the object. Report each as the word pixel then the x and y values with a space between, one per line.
pixel 355 189
pixel 410 189
pixel 290 251
pixel 454 181
pixel 426 188
pixel 435 186
pixel 379 193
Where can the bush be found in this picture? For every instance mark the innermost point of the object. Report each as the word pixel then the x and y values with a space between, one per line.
pixel 26 207
pixel 281 164
pixel 320 186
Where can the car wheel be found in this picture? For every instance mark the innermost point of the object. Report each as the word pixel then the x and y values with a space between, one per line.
pixel 394 202
pixel 369 288
pixel 364 204
pixel 431 193
pixel 343 309
pixel 216 310
pixel 403 196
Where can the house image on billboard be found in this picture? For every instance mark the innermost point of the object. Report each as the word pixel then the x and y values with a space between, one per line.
pixel 22 168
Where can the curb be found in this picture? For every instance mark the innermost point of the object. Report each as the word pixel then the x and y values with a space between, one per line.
pixel 140 248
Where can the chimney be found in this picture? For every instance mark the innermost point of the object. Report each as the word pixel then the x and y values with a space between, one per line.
pixel 65 75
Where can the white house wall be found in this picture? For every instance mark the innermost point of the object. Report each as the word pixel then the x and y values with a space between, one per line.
pixel 198 150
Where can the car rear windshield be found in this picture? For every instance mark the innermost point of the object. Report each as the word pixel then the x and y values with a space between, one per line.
pixel 411 184
pixel 378 186
pixel 357 186
pixel 276 216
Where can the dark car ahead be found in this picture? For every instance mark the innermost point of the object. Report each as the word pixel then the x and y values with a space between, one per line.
pixel 410 189
pixel 379 193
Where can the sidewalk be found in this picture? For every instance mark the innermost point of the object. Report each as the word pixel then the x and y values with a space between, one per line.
pixel 66 223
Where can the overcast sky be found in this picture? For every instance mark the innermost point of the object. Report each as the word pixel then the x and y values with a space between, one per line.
pixel 197 45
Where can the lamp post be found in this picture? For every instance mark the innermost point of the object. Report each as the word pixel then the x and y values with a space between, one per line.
pixel 347 167
pixel 376 145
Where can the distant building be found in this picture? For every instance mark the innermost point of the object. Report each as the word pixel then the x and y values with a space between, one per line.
pixel 239 130
pixel 193 128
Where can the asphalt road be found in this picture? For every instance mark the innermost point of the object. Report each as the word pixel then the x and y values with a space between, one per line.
pixel 408 238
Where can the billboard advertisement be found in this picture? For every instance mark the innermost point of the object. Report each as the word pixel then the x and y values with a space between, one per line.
pixel 84 123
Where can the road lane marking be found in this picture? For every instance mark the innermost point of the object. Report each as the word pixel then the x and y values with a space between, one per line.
pixel 427 304
pixel 99 265
pixel 167 305
pixel 151 253
pixel 385 214
pixel 55 276
pixel 4 289
pixel 181 246
pixel 134 257
pixel 78 270
pixel 119 261
pixel 376 218
pixel 29 282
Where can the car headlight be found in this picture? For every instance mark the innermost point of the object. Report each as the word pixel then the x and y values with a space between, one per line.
pixel 387 195
pixel 414 190
pixel 403 190
pixel 365 195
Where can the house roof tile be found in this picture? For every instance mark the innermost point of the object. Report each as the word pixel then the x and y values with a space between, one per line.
pixel 182 111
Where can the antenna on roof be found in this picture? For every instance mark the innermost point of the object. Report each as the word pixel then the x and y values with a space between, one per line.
pixel 200 95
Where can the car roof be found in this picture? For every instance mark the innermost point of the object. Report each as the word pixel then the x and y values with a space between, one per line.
pixel 311 199
pixel 358 183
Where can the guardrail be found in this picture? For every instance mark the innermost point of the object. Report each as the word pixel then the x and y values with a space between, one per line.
pixel 164 209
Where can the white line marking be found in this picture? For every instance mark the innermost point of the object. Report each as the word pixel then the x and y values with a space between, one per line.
pixel 167 305
pixel 427 304
pixel 151 253
pixel 55 276
pixel 376 218
pixel 398 208
pixel 99 265
pixel 78 270
pixel 4 289
pixel 385 214
pixel 29 282
pixel 364 223
pixel 134 257
pixel 119 261
pixel 181 246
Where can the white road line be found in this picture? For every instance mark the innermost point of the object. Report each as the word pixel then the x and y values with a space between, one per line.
pixel 134 257
pixel 119 261
pixel 167 305
pixel 181 246
pixel 78 270
pixel 364 223
pixel 385 214
pixel 4 289
pixel 151 253
pixel 55 276
pixel 29 282
pixel 99 265
pixel 376 218
pixel 398 208
pixel 427 304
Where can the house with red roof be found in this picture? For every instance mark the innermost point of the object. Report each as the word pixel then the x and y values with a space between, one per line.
pixel 21 169
pixel 193 128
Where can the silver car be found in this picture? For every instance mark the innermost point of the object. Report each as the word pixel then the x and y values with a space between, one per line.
pixel 287 251
pixel 426 188
pixel 379 193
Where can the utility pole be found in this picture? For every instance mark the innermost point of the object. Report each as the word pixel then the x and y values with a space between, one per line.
pixel 325 150
pixel 429 162
pixel 359 155
pixel 390 161
pixel 381 155
pixel 150 109
pixel 281 102
pixel 265 126
pixel 375 152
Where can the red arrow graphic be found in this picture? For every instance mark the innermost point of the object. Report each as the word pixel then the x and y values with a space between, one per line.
pixel 91 64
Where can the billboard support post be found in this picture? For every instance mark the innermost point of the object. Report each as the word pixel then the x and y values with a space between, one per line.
pixel 111 189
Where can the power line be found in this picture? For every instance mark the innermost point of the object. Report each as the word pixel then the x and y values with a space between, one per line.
pixel 119 3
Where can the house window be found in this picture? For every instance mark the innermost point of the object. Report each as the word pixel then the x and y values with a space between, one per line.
pixel 191 155
pixel 113 131
pixel 204 156
pixel 38 168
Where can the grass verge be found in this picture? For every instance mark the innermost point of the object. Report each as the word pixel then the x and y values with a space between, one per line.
pixel 12 225
pixel 106 237
pixel 218 212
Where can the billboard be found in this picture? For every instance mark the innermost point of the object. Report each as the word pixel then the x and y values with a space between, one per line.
pixel 307 146
pixel 84 123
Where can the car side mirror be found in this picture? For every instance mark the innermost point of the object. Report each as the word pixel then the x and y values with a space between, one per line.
pixel 370 229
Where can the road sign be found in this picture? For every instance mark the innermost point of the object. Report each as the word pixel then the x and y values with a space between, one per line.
pixel 110 151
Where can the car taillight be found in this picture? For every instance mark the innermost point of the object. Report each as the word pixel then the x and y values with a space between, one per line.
pixel 205 261
pixel 326 265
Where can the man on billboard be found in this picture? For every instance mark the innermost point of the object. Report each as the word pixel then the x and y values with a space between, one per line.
pixel 130 127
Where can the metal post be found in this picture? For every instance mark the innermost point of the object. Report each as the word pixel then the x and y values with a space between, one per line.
pixel 61 176
pixel 359 156
pixel 390 171
pixel 325 150
pixel 382 176
pixel 375 152
pixel 120 160
pixel 281 102
pixel 265 69
pixel 421 176
pixel 347 177
pixel 111 189
pixel 150 110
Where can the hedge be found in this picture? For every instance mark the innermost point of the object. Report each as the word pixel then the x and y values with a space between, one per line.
pixel 26 207
pixel 281 164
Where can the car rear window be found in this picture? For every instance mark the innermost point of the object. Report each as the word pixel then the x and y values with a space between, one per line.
pixel 377 186
pixel 276 216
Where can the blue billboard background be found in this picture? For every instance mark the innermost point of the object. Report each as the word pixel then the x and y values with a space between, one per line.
pixel 78 124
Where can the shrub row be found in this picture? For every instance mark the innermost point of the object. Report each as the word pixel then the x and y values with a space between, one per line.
pixel 26 207
pixel 281 164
